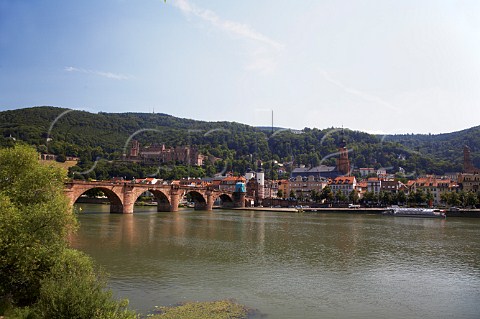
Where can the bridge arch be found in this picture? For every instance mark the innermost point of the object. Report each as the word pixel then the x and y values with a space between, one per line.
pixel 224 200
pixel 200 202
pixel 162 199
pixel 116 204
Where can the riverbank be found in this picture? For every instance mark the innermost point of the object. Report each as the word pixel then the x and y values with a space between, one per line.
pixel 468 213
pixel 266 209
pixel 320 209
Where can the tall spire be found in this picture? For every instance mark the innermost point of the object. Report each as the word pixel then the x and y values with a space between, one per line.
pixel 343 142
pixel 467 161
pixel 343 163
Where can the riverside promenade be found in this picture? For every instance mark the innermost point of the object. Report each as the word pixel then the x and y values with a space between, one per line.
pixel 469 213
pixel 317 209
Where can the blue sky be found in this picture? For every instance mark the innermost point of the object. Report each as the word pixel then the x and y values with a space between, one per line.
pixel 377 66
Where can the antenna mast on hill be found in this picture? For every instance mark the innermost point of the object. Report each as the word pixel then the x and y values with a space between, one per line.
pixel 271 182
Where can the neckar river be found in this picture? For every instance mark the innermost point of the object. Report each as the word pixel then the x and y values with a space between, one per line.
pixel 289 265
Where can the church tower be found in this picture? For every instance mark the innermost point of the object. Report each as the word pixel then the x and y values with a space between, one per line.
pixel 343 163
pixel 467 161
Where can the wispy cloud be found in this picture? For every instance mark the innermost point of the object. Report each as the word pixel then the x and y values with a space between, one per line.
pixel 263 57
pixel 109 75
pixel 262 60
pixel 363 95
pixel 228 26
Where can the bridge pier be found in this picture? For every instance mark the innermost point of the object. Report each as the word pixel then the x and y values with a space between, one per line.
pixel 205 205
pixel 209 200
pixel 239 199
pixel 116 209
pixel 163 207
pixel 128 200
pixel 174 198
pixel 200 206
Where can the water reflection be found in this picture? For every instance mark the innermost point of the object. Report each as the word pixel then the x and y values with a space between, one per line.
pixel 291 265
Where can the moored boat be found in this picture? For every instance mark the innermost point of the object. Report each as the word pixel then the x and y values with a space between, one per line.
pixel 415 212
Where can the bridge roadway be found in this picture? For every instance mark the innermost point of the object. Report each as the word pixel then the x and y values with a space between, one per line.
pixel 123 195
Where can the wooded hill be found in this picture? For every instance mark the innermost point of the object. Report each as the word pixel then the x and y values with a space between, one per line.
pixel 443 147
pixel 106 136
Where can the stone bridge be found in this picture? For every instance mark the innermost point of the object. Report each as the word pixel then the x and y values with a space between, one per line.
pixel 123 195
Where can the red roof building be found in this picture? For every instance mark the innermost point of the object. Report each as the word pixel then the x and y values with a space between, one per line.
pixel 228 183
pixel 345 184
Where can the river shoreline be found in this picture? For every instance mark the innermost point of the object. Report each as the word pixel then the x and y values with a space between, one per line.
pixel 316 210
pixel 466 213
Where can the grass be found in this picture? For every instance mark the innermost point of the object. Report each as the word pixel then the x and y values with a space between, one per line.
pixel 222 309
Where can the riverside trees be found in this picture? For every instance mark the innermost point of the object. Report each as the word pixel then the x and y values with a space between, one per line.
pixel 40 276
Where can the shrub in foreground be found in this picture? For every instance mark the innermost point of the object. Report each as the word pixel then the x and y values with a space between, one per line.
pixel 75 290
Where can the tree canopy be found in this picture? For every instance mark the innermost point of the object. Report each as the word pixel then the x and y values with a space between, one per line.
pixel 37 267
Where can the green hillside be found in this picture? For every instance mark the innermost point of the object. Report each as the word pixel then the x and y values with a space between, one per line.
pixel 443 147
pixel 105 136
pixel 110 131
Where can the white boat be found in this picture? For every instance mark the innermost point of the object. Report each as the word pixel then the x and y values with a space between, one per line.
pixel 415 212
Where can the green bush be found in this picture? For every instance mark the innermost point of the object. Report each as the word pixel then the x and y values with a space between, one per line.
pixel 75 290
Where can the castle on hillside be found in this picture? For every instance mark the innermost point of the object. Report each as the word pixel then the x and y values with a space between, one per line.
pixel 156 154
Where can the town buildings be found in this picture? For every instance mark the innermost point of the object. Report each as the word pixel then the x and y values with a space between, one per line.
pixel 302 187
pixel 435 186
pixel 365 171
pixel 344 184
pixel 255 185
pixel 380 184
pixel 469 180
pixel 392 186
pixel 284 187
pixel 228 183
pixel 374 185
pixel 271 189
pixel 307 181
pixel 321 171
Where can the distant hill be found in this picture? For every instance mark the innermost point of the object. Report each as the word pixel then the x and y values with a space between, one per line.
pixel 443 147
pixel 111 131
pixel 89 136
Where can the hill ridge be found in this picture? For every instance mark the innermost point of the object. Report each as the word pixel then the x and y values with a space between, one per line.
pixel 85 134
